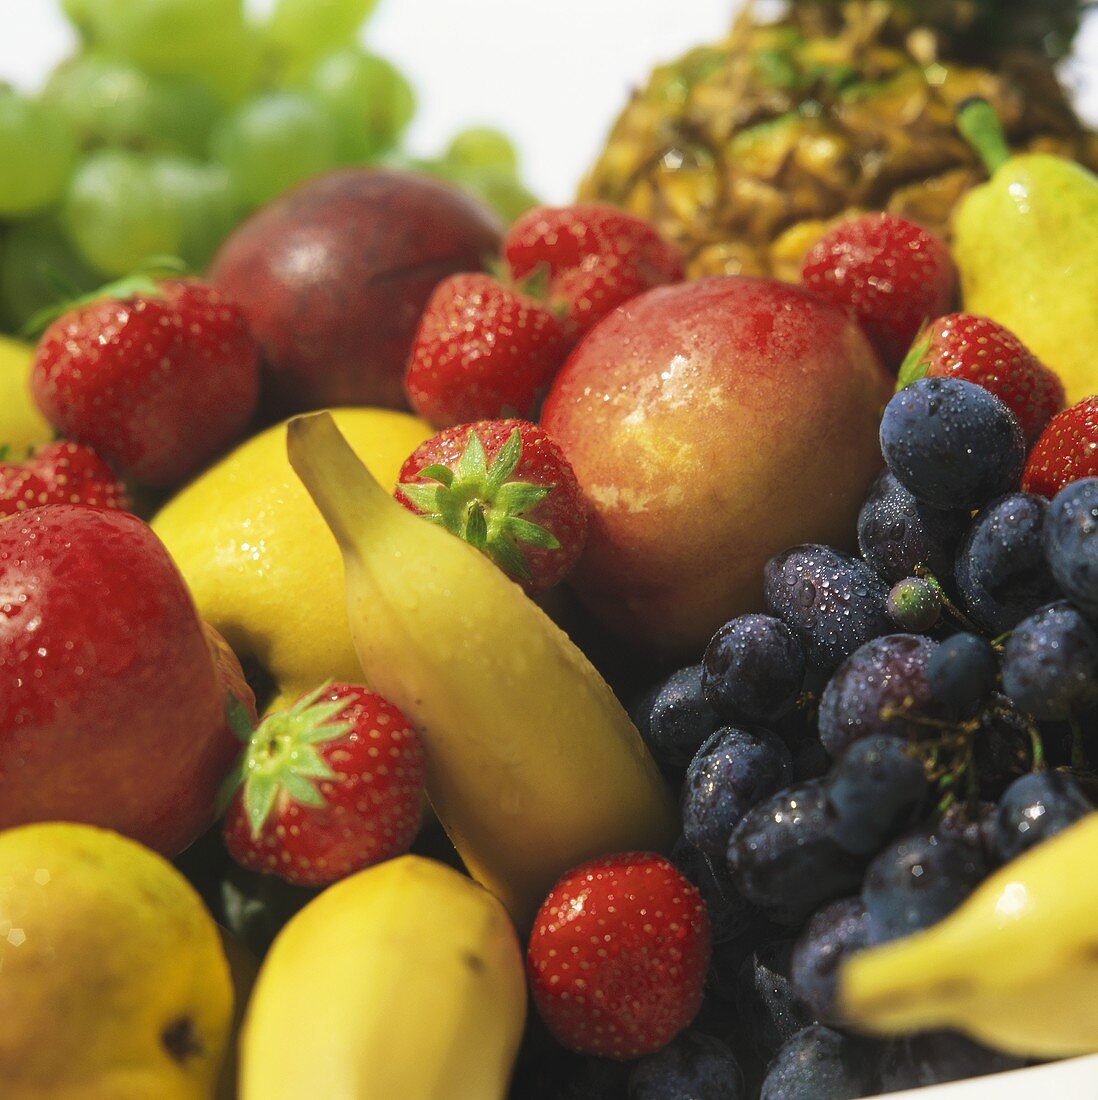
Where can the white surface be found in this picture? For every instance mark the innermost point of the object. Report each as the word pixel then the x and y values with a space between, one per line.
pixel 1074 1080
pixel 552 73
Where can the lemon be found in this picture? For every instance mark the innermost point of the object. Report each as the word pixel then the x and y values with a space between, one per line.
pixel 22 426
pixel 261 563
pixel 113 982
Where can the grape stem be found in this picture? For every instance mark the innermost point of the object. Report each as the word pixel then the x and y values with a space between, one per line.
pixel 950 607
pixel 1079 761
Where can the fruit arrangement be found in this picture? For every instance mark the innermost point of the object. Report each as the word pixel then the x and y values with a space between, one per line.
pixel 174 120
pixel 459 661
pixel 745 151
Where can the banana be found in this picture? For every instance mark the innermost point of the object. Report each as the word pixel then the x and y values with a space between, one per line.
pixel 1015 967
pixel 533 765
pixel 405 980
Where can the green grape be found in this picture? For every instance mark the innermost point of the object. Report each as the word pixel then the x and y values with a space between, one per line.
pixel 117 215
pixel 483 147
pixel 272 142
pixel 108 102
pixel 37 155
pixel 161 36
pixel 369 100
pixel 236 66
pixel 301 31
pixel 39 267
pixel 501 190
pixel 202 196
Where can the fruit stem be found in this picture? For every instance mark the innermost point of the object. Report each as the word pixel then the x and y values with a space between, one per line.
pixel 948 605
pixel 981 128
pixel 1079 761
pixel 338 481
pixel 1037 748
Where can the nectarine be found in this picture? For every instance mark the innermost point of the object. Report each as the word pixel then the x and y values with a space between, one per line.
pixel 711 425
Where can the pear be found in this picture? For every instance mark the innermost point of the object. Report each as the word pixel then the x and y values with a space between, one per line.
pixel 1026 245
pixel 113 981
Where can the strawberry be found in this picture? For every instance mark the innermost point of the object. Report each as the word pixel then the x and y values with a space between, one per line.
pixel 596 257
pixel 60 473
pixel 618 955
pixel 239 697
pixel 325 788
pixel 505 487
pixel 159 380
pixel 482 350
pixel 962 345
pixel 889 273
pixel 1066 451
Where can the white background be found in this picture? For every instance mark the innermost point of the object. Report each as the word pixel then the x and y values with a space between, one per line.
pixel 552 73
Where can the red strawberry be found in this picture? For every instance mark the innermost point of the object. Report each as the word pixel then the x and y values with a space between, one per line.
pixel 330 786
pixel 158 382
pixel 618 955
pixel 892 275
pixel 597 257
pixel 482 350
pixel 506 487
pixel 239 697
pixel 60 473
pixel 1067 450
pixel 962 345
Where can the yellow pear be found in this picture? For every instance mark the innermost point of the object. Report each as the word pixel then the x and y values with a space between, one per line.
pixel 113 982
pixel 22 426
pixel 261 563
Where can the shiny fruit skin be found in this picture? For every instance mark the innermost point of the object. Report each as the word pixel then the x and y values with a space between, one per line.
pixel 115 983
pixel 1038 913
pixel 159 384
pixel 712 425
pixel 333 277
pixel 112 711
pixel 533 765
pixel 261 564
pixel 404 980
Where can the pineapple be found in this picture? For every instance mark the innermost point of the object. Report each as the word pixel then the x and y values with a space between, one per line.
pixel 746 151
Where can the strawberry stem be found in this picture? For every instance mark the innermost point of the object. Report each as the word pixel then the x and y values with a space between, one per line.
pixel 282 757
pixel 477 502
pixel 143 282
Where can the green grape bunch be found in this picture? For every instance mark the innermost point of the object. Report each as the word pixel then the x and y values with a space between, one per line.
pixel 175 119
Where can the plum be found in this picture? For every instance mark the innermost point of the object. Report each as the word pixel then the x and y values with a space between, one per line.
pixel 711 425
pixel 333 277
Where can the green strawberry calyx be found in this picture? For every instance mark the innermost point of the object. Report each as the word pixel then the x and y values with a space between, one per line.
pixel 145 282
pixel 916 364
pixel 281 756
pixel 477 502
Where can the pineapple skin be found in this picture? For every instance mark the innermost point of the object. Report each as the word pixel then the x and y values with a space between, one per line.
pixel 745 152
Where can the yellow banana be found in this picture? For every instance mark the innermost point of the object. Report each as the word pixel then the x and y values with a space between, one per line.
pixel 1015 967
pixel 533 765
pixel 405 980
